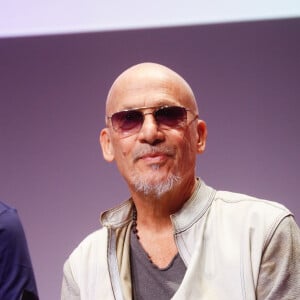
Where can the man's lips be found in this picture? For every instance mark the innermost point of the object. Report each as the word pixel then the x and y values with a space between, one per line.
pixel 154 157
pixel 153 154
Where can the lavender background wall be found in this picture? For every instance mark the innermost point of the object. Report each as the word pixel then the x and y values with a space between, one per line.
pixel 52 91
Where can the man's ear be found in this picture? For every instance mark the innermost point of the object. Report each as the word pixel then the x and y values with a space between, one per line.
pixel 202 135
pixel 106 145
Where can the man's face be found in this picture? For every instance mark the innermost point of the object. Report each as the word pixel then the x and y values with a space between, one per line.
pixel 155 158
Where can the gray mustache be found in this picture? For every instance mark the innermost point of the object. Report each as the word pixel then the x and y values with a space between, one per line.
pixel 148 150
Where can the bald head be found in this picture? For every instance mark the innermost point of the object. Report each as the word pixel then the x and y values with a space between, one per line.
pixel 147 77
pixel 154 147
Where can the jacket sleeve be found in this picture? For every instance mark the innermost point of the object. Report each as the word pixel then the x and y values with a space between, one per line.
pixel 16 273
pixel 69 290
pixel 279 276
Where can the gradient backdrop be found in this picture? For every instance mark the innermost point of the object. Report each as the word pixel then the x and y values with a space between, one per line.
pixel 246 77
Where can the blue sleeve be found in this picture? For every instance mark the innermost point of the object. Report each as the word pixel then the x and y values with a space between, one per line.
pixel 16 273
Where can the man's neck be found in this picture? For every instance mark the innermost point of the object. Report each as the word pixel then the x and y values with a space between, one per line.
pixel 153 210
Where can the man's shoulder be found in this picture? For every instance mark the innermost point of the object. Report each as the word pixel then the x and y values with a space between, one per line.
pixel 249 207
pixel 7 210
pixel 89 255
pixel 3 207
pixel 259 218
pixel 10 225
pixel 95 242
pixel 248 201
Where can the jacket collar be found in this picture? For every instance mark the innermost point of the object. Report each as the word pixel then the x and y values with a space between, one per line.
pixel 194 208
pixel 191 211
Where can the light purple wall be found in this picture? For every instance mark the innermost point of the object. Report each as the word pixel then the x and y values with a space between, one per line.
pixel 52 91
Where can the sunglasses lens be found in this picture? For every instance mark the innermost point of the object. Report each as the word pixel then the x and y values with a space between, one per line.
pixel 127 121
pixel 130 121
pixel 171 116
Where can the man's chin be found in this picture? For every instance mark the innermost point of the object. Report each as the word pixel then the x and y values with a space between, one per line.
pixel 155 187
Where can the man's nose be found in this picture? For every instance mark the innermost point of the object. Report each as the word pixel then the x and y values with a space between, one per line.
pixel 150 132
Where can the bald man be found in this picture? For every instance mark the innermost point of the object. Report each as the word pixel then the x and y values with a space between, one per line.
pixel 176 237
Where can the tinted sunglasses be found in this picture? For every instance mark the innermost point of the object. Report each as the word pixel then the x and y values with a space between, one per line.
pixel 130 121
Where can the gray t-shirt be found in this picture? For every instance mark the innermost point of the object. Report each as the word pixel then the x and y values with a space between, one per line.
pixel 149 281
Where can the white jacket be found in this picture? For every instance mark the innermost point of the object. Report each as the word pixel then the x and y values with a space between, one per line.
pixel 235 247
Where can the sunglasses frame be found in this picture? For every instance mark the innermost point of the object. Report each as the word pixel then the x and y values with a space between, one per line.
pixel 140 109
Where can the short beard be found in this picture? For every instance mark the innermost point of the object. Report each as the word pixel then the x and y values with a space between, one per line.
pixel 156 190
